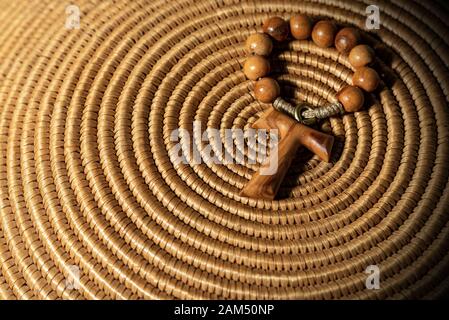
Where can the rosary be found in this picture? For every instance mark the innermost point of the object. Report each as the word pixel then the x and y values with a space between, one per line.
pixel 292 121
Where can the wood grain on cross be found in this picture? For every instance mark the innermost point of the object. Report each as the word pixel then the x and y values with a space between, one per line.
pixel 292 135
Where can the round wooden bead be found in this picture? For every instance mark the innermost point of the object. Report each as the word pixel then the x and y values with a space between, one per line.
pixel 300 26
pixel 323 33
pixel 346 39
pixel 351 98
pixel 266 90
pixel 276 27
pixel 259 44
pixel 361 55
pixel 366 78
pixel 256 67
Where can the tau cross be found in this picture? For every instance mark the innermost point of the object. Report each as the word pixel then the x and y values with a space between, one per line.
pixel 292 134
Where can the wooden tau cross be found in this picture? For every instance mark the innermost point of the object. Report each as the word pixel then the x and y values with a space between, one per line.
pixel 292 135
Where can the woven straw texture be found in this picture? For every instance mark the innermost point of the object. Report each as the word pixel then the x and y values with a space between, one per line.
pixel 86 181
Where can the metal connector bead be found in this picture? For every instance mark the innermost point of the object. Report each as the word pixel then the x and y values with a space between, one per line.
pixel 305 114
pixel 324 112
pixel 285 107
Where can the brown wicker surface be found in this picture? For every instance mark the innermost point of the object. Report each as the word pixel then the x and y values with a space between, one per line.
pixel 85 179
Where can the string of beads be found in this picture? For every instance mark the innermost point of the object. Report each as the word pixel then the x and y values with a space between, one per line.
pixel 324 34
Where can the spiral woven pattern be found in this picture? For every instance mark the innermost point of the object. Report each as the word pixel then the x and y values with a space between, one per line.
pixel 86 180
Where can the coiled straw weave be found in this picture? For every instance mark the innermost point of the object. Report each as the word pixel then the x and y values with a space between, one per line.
pixel 86 180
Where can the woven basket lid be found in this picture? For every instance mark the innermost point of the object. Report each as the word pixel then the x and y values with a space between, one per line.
pixel 87 187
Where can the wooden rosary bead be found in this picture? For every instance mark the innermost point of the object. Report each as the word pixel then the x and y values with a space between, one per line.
pixel 259 44
pixel 276 27
pixel 351 98
pixel 256 67
pixel 361 55
pixel 346 39
pixel 300 26
pixel 323 33
pixel 266 90
pixel 366 78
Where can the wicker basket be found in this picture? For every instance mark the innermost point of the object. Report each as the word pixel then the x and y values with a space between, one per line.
pixel 87 187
